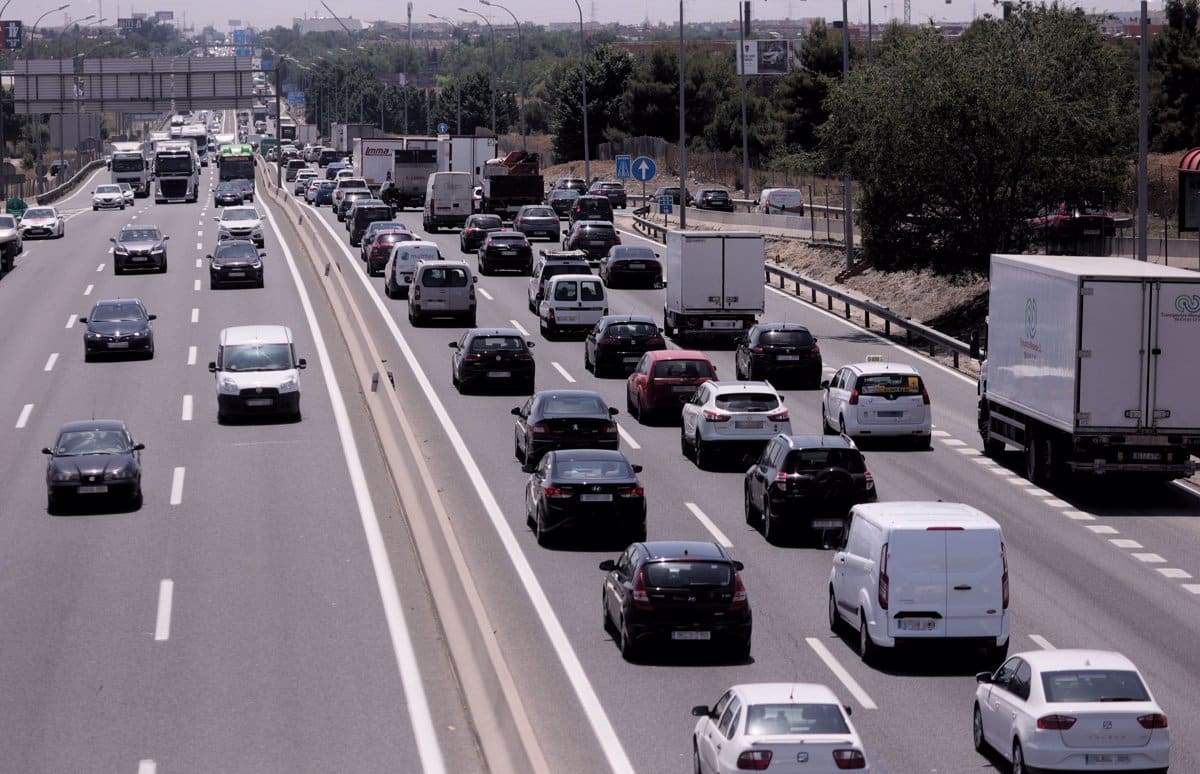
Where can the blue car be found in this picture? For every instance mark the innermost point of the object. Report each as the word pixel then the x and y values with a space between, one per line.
pixel 324 194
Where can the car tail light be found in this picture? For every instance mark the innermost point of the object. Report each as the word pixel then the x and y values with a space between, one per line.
pixel 554 492
pixel 1004 577
pixel 924 396
pixel 781 478
pixel 416 291
pixel 641 599
pixel 754 760
pixel 1155 720
pixel 756 350
pixel 609 341
pixel 539 428
pixel 849 759
pixel 551 317
pixel 616 238
pixel 869 479
pixel 816 350
pixel 655 341
pixel 715 416
pixel 473 356
pixel 611 429
pixel 853 397
pixel 634 491
pixel 1055 722
pixel 778 416
pixel 471 293
pixel 739 593
pixel 883 578
pixel 523 356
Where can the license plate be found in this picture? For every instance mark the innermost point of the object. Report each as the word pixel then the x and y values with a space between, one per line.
pixel 137 258
pixel 788 357
pixel 827 523
pixel 237 274
pixel 435 302
pixel 259 401
pixel 746 424
pixel 93 490
pixel 630 360
pixel 684 388
pixel 889 414
pixel 595 498
pixel 1091 758
pixel 1145 456
pixel 1091 232
pixel 722 324
pixel 691 635
pixel 500 374
pixel 915 624
pixel 637 266
pixel 118 345
pixel 597 243
pixel 567 318
pixel 508 252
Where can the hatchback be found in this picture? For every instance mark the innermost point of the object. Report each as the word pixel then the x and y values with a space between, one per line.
pixel 235 261
pixel 617 342
pixel 631 266
pixel 487 356
pixel 778 351
pixel 374 229
pixel 227 194
pixel 591 207
pixel 563 419
pixel 381 248
pixel 876 399
pixel 442 289
pixel 505 250
pixel 561 200
pixel 615 192
pixel 664 380
pixel 476 229
pixel 537 220
pixel 714 199
pixel 588 489
pixel 594 237
pixel 93 458
pixel 725 415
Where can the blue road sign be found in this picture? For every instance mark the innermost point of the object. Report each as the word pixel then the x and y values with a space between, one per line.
pixel 623 172
pixel 643 169
pixel 267 65
pixel 665 205
pixel 443 128
pixel 13 30
pixel 295 98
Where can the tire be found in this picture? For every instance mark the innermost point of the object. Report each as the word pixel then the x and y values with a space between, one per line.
pixel 262 281
pixel 771 528
pixel 1018 760
pixel 684 447
pixel 923 442
pixel 704 453
pixel 867 650
pixel 752 513
pixel 135 502
pixel 163 270
pixel 539 530
pixel 1035 466
pixel 630 650
pixel 739 652
pixel 825 427
pixel 696 769
pixel 517 451
pixel 212 284
pixel 977 739
pixel 52 504
pixel 483 266
pixel 835 619
pixel 95 208
pixel 605 618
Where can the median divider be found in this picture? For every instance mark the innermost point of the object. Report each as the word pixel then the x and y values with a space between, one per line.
pixel 495 706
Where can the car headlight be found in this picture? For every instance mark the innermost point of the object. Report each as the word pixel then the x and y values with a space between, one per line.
pixel 227 386
pixel 257 264
pixel 91 335
pixel 258 232
pixel 290 384
pixel 120 474
pixel 157 250
pixel 62 475
pixel 120 250
pixel 140 334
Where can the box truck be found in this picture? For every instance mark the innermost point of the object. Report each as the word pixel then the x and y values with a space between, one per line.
pixel 715 283
pixel 511 183
pixel 465 153
pixel 374 159
pixel 1091 366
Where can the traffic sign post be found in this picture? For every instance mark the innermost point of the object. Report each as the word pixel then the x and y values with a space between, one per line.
pixel 623 167
pixel 665 206
pixel 643 169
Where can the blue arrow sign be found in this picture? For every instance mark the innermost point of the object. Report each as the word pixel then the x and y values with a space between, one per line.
pixel 643 169
pixel 623 172
pixel 442 128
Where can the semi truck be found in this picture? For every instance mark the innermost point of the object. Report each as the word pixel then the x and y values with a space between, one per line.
pixel 409 177
pixel 715 283
pixel 511 183
pixel 131 163
pixel 1091 366
pixel 176 171
pixel 374 159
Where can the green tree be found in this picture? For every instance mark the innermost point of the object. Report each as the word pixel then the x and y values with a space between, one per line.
pixel 1175 57
pixel 608 73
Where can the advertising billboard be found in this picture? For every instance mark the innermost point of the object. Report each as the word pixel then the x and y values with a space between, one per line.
pixel 764 57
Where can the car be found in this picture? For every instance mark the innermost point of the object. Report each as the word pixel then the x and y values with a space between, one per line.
pixel 877 399
pixel 108 197
pixel 127 192
pixel 348 198
pixel 45 222
pixel 58 166
pixel 577 184
pixel 713 199
pixel 398 273
pixel 363 212
pixel 117 326
pixel 673 192
pixel 487 356
pixel 631 266
pixel 681 592
pixel 240 223
pixel 778 352
pixel 594 237
pixel 590 207
pixel 257 372
pixel 139 248
pixel 664 380
pixel 381 248
pixel 617 342
pixel 343 185
pixel 615 191
pixel 476 228
pixel 562 419
pixel 235 261
pixel 313 154
pixel 537 220
pixel 247 188
pixel 11 244
pixel 765 726
pixel 310 189
pixel 328 156
pixel 1071 710
pixel 324 193
pixel 806 483
pixel 561 200
pixel 441 289
pixel 374 228
pixel 549 264
pixel 228 194
pixel 93 458
pixel 571 302
pixel 725 415
pixel 585 489
pixel 294 164
pixel 505 250
pixel 303 178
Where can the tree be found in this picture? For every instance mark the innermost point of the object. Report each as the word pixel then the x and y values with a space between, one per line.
pixel 608 72
pixel 1175 56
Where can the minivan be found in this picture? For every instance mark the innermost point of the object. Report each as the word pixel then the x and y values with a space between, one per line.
pixel 398 272
pixel 442 289
pixel 294 166
pixel 921 572
pixel 550 264
pixel 366 212
pixel 257 372
pixel 572 301
pixel 448 201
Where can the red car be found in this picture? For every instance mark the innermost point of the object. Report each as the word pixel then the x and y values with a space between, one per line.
pixel 1070 222
pixel 664 380
pixel 381 249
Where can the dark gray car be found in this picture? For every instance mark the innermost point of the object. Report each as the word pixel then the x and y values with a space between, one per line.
pixel 90 459
pixel 117 326
pixel 537 220
pixel 139 248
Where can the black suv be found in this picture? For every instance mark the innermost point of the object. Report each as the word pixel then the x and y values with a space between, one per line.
pixel 714 199
pixel 778 351
pixel 808 482
pixel 677 591
pixel 505 250
pixel 591 207
pixel 613 190
pixel 593 237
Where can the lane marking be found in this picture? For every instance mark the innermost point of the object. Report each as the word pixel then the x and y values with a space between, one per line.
pixel 1125 543
pixel 563 371
pixel 100 267
pixel 1150 558
pixel 519 327
pixel 199 245
pixel 968 451
pixel 1054 502
pixel 50 361
pixel 1079 516
pixel 1193 588
pixel 23 417
pixel 1040 492
pixel 1173 572
pixel 485 294
pixel 1103 529
pixel 200 233
pixel 939 433
pixel 195 315
pixel 199 263
pixel 88 290
pixel 841 673
pixel 187 408
pixel 1042 642
pixel 952 442
pixel 627 438
pixel 196 285
pixel 162 621
pixel 147 766
pixel 713 529
pixel 177 486
pixel 191 355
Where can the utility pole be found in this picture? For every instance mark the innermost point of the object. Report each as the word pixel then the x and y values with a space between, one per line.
pixel 683 132
pixel 847 197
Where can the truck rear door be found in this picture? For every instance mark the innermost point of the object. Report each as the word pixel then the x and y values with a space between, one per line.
pixel 703 273
pixel 744 287
pixel 1176 328
pixel 1112 368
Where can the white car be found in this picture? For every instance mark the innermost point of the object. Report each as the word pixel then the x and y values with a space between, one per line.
pixel 1073 710
pixel 42 222
pixel 727 414
pixel 108 196
pixel 127 192
pixel 877 399
pixel 303 178
pixel 784 727
pixel 240 223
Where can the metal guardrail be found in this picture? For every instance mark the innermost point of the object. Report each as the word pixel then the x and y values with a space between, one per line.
pixel 750 204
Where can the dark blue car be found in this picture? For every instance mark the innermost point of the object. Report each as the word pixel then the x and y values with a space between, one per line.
pixel 324 194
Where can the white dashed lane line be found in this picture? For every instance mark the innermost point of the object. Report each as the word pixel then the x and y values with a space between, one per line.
pixel 195 315
pixel 162 620
pixel 196 285
pixel 186 413
pixel 1149 558
pixel 519 327
pixel 486 294
pixel 1174 572
pixel 199 245
pixel 88 290
pixel 1042 642
pixel 563 371
pixel 841 673
pixel 100 267
pixel 628 439
pixel 50 361
pixel 147 766
pixel 191 355
pixel 709 525
pixel 23 417
pixel 199 263
pixel 71 321
pixel 177 486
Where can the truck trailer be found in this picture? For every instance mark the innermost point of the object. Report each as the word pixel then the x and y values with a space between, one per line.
pixel 1091 366
pixel 511 183
pixel 465 153
pixel 715 283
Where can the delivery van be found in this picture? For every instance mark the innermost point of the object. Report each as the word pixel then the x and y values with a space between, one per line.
pixel 449 197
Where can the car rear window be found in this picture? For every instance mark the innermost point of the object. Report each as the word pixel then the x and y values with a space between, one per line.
pixel 568 405
pixel 808 460
pixel 890 384
pixel 628 329
pixel 686 574
pixel 592 232
pixel 786 338
pixel 747 401
pixel 488 221
pixel 497 343
pixel 374 213
pixel 539 212
pixel 767 719
pixel 438 277
pixel 509 241
pixel 635 254
pixel 1093 685
pixel 590 470
pixel 682 369
pixel 391 239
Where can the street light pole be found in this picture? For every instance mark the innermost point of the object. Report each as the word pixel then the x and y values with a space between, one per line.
pixel 847 199
pixel 520 66
pixel 682 132
pixel 743 23
pixel 587 150
pixel 457 80
pixel 493 36
pixel 28 53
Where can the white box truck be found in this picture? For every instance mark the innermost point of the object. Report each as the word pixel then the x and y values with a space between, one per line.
pixel 1091 366
pixel 715 283
pixel 374 159
pixel 465 153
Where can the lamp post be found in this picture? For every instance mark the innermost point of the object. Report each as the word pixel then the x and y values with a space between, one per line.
pixel 847 199
pixel 587 153
pixel 682 132
pixel 743 23
pixel 520 66
pixel 493 35
pixel 457 83
pixel 3 145
pixel 28 53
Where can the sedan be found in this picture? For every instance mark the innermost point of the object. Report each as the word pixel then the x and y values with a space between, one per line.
pixel 227 194
pixel 591 489
pixel 631 266
pixel 767 726
pixel 594 237
pixel 724 415
pixel 487 356
pixel 108 197
pixel 617 342
pixel 93 458
pixel 537 220
pixel 1070 710
pixel 324 193
pixel 127 192
pixel 778 352
pixel 561 200
pixel 138 248
pixel 43 222
pixel 235 261
pixel 374 229
pixel 117 326
pixel 563 419
pixel 505 250
pixel 476 229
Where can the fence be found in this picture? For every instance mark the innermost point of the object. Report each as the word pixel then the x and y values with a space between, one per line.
pixel 31 188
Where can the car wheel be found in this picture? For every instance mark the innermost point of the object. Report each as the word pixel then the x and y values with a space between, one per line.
pixel 704 453
pixel 261 281
pixel 771 527
pixel 539 530
pixel 163 270
pixel 135 502
pixel 629 649
pixel 94 208
pixel 52 503
pixel 1018 760
pixel 866 646
pixel 87 356
pixel 977 730
pixel 605 618
pixel 117 270
pixel 842 425
pixel 684 447
pixel 835 620
pixel 750 511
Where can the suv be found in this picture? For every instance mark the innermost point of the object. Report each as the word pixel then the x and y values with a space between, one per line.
pixel 877 399
pixel 591 208
pixel 365 212
pixel 673 192
pixel 550 263
pixel 294 165
pixel 240 223
pixel 328 156
pixel 571 184
pixel 505 250
pixel 347 204
pixel 561 200
pixel 614 191
pixel 714 199
pixel 808 482
pixel 593 237
pixel 775 351
pixel 723 415
pixel 257 372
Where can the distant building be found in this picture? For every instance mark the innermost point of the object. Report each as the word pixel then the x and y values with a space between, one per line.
pixel 305 26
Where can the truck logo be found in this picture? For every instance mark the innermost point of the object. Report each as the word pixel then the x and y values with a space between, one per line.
pixel 1185 304
pixel 1031 318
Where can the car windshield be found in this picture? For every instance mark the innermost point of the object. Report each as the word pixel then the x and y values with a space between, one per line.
pixel 239 215
pixel 686 574
pixel 574 469
pixel 631 329
pixel 573 405
pixel 487 221
pixel 224 188
pixel 39 212
pixel 7 221
pixel 771 719
pixel 117 312
pixel 890 384
pixel 108 189
pixel 497 344
pixel 236 251
pixel 139 235
pixel 91 442
pixel 682 369
pixel 596 231
pixel 747 401
pixel 807 460
pixel 786 338
pixel 257 357
pixel 539 212
pixel 1088 685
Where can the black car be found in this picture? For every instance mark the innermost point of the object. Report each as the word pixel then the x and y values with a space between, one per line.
pixel 778 352
pixel 247 188
pixel 92 459
pixel 673 192
pixel 713 199
pixel 594 489
pixel 591 207
pixel 374 229
pixel 806 482
pixel 328 156
pixel 563 419
pixel 678 592
pixel 492 356
pixel 364 213
pixel 615 192
pixel 235 261
pixel 227 194
pixel 617 342
pixel 349 197
pixel 594 237
pixel 631 266
pixel 476 229
pixel 577 184
pixel 505 250
pixel 537 220
pixel 117 326
pixel 561 200
pixel 139 248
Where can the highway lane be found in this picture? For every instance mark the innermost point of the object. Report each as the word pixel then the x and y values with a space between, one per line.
pixel 1072 586
pixel 234 621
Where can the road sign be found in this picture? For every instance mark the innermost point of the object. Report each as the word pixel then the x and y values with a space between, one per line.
pixel 623 172
pixel 643 169
pixel 12 32
pixel 443 127
pixel 665 205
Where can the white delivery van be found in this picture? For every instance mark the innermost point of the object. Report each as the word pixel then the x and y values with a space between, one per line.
pixel 572 301
pixel 913 572
pixel 789 201
pixel 398 272
pixel 442 289
pixel 449 198
pixel 257 372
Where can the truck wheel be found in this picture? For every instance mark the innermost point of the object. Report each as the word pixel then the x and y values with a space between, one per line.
pixel 1035 465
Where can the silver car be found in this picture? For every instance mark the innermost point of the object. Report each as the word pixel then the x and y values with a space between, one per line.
pixel 240 223
pixel 108 196
pixel 140 248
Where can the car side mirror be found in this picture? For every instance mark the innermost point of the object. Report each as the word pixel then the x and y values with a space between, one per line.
pixel 301 363
pixel 565 233
pixel 262 253
pixel 454 345
pixel 608 565
pixel 824 384
pixel 983 677
pixel 738 565
pixel 528 467
pixel 46 450
pixel 212 366
pixel 531 343
pixel 82 319
pixel 849 711
pixel 516 412
pixel 139 446
pixel 151 317
pixel 636 468
pixel 701 711
pixel 113 240
pixel 612 411
pixel 166 239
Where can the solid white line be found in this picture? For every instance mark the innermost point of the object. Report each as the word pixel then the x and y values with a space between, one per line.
pixel 186 415
pixel 195 315
pixel 147 766
pixel 841 673
pixel 563 371
pixel 628 439
pixel 713 529
pixel 162 622
pixel 88 290
pixel 100 267
pixel 1125 543
pixel 1042 642
pixel 939 433
pixel 1149 558
pixel 71 321
pixel 485 294
pixel 24 415
pixel 1173 572
pixel 519 327
pixel 177 486
pixel 50 361
pixel 196 285
pixel 191 355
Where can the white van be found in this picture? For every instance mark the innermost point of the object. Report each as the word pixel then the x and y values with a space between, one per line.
pixel 257 372
pixel 449 198
pixel 781 200
pixel 398 272
pixel 919 571
pixel 575 301
pixel 442 289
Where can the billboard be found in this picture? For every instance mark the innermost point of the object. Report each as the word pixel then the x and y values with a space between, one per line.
pixel 164 15
pixel 133 23
pixel 764 57
pixel 295 98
